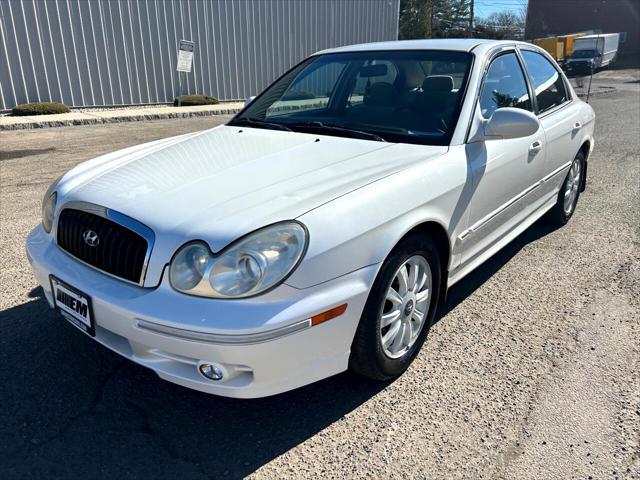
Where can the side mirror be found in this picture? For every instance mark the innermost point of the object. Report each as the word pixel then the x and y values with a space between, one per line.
pixel 248 100
pixel 509 122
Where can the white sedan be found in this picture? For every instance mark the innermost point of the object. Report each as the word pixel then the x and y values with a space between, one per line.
pixel 319 230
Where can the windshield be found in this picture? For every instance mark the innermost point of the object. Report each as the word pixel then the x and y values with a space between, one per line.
pixel 394 96
pixel 584 54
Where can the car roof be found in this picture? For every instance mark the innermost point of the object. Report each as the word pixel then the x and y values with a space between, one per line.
pixel 458 44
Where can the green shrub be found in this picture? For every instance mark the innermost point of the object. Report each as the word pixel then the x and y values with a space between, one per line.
pixel 39 108
pixel 190 100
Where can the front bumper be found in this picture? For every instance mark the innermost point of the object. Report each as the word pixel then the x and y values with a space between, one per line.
pixel 579 69
pixel 257 342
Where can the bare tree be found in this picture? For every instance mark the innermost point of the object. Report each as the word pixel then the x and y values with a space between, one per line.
pixel 507 24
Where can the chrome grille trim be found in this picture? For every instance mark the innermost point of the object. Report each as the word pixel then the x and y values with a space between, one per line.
pixel 119 218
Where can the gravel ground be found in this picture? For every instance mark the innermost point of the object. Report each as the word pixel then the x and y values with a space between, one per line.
pixel 532 370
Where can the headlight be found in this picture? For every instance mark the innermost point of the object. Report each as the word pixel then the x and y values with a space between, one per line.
pixel 250 266
pixel 48 210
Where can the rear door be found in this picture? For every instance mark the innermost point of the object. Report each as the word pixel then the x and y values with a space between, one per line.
pixel 559 116
pixel 505 172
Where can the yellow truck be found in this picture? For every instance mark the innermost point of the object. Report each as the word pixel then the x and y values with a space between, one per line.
pixel 553 45
pixel 560 47
pixel 567 41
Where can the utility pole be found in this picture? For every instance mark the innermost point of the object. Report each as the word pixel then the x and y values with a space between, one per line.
pixel 471 20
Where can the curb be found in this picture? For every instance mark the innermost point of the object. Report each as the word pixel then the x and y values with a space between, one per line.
pixel 92 119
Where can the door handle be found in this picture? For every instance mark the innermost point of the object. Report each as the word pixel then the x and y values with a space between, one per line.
pixel 577 126
pixel 536 146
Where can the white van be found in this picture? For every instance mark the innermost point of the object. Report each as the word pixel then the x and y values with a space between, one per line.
pixel 593 52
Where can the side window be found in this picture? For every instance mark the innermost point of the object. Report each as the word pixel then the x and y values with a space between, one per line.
pixel 547 82
pixel 504 86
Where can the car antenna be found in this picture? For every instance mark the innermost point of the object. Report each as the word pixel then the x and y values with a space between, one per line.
pixel 592 68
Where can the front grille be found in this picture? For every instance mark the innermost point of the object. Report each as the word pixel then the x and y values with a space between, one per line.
pixel 118 251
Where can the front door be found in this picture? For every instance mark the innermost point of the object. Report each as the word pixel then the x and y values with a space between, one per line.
pixel 505 172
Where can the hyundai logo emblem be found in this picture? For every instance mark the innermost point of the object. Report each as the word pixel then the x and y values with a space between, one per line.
pixel 91 238
pixel 408 308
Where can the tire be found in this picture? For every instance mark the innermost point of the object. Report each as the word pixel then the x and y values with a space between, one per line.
pixel 369 356
pixel 561 213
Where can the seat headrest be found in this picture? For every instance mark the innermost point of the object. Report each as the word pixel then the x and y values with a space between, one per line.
pixel 437 83
pixel 381 94
pixel 413 77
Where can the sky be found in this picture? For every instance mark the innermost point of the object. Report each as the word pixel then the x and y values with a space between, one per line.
pixel 484 8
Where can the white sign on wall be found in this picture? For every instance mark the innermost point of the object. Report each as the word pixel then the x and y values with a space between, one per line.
pixel 185 56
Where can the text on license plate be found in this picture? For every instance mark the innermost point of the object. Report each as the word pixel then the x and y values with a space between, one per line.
pixel 73 305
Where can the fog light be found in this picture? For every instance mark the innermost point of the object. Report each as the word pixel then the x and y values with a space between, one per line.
pixel 212 372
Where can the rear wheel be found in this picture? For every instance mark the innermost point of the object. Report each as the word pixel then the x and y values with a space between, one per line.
pixel 399 311
pixel 569 193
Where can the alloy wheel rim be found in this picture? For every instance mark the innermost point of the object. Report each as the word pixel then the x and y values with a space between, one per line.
pixel 572 187
pixel 405 307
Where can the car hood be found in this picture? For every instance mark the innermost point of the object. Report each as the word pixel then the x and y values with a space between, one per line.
pixel 220 184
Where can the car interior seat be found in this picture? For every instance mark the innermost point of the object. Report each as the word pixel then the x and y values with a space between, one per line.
pixel 437 99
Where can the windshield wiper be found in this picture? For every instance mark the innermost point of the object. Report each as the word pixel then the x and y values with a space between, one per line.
pixel 338 128
pixel 254 122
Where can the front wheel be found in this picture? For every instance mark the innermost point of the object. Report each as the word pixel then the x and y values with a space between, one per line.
pixel 569 193
pixel 399 311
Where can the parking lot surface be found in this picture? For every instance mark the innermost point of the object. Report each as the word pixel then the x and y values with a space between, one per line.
pixel 532 371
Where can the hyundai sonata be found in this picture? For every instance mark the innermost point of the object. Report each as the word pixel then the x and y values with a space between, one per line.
pixel 318 230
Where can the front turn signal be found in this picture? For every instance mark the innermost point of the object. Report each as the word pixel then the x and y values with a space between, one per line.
pixel 328 315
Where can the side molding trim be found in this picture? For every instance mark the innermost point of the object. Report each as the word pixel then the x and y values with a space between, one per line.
pixel 483 221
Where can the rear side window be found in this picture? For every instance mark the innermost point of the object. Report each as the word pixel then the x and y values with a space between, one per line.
pixel 547 82
pixel 504 86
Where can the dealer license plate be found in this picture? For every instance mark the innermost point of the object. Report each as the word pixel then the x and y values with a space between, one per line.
pixel 73 305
